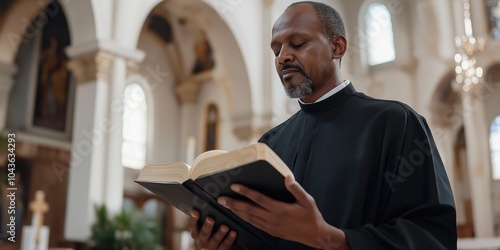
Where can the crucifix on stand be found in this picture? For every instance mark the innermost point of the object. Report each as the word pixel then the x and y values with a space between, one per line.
pixel 36 236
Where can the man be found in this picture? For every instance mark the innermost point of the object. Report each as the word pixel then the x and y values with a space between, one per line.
pixel 367 172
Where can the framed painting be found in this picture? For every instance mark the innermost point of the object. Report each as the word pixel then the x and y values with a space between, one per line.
pixel 53 93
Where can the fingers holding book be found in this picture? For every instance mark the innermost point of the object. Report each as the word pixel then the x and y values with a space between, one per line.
pixel 206 238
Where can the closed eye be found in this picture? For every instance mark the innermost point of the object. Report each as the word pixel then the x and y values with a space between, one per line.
pixel 298 45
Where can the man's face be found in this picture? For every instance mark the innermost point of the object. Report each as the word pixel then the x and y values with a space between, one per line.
pixel 303 51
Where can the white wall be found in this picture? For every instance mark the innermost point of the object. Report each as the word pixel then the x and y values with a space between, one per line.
pixel 163 142
pixel 212 92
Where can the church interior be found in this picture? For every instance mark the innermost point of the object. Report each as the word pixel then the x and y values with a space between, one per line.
pixel 91 91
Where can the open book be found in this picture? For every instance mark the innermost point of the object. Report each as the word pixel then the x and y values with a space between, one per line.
pixel 212 173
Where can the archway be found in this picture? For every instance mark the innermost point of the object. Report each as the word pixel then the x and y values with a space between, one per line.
pixel 34 36
pixel 17 26
pixel 446 107
pixel 492 102
pixel 231 67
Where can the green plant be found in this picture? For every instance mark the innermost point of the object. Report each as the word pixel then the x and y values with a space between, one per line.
pixel 126 231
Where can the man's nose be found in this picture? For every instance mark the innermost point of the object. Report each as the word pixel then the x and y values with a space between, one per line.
pixel 285 56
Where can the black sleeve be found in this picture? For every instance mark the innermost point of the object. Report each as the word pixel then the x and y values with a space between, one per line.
pixel 419 210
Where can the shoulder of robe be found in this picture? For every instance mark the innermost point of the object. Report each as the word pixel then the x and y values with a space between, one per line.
pixel 388 111
pixel 269 134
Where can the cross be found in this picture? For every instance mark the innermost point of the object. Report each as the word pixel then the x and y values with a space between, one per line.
pixel 38 207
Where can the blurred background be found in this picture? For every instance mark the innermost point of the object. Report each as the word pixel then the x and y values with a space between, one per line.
pixel 93 90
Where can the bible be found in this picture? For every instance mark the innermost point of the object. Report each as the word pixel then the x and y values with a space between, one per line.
pixel 210 176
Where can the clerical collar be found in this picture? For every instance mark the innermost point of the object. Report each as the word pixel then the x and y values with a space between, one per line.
pixel 333 100
pixel 329 93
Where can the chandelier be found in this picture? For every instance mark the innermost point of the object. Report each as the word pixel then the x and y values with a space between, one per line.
pixel 469 76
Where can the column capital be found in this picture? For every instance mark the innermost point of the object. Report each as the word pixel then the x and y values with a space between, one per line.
pixel 93 60
pixel 268 2
pixel 249 133
pixel 187 92
pixel 92 66
pixel 188 89
pixel 109 47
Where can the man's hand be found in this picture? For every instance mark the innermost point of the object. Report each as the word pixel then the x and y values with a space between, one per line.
pixel 202 236
pixel 300 221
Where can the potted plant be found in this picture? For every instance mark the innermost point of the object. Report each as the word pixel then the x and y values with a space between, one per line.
pixel 126 231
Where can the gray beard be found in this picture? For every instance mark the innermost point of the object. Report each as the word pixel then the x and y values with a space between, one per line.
pixel 304 89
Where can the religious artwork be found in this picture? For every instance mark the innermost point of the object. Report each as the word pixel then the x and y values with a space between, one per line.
pixel 204 56
pixel 212 120
pixel 160 26
pixel 53 83
pixel 493 14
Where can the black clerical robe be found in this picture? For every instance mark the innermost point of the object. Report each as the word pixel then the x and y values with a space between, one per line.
pixel 373 169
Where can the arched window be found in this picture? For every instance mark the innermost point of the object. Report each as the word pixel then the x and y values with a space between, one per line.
pixel 379 35
pixel 495 148
pixel 134 133
pixel 211 127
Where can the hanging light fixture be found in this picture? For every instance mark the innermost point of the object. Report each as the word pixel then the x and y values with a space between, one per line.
pixel 469 76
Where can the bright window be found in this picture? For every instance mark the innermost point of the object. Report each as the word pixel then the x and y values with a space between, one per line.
pixel 134 134
pixel 495 148
pixel 379 35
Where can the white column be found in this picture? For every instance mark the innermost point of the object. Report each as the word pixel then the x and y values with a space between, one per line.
pixel 268 71
pixel 113 193
pixel 96 174
pixel 7 72
pixel 444 142
pixel 89 143
pixel 476 138
pixel 187 94
pixel 123 62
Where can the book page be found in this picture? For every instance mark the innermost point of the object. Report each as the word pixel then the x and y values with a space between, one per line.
pixel 177 172
pixel 206 155
pixel 222 161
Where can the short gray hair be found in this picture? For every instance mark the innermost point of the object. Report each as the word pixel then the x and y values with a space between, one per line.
pixel 329 18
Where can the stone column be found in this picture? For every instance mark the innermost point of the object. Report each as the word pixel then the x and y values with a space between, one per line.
pixel 96 174
pixel 187 94
pixel 89 142
pixel 478 161
pixel 7 72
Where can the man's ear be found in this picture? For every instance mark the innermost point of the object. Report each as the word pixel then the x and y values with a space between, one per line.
pixel 339 46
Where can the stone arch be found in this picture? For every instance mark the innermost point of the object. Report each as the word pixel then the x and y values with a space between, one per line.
pixel 444 101
pixel 17 27
pixel 493 74
pixel 232 74
pixel 491 93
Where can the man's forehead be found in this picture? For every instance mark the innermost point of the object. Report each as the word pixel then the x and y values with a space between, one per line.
pixel 300 16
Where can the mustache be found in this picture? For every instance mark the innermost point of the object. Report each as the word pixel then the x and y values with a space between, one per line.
pixel 289 66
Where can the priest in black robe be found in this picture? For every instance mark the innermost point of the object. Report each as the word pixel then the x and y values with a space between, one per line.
pixel 367 173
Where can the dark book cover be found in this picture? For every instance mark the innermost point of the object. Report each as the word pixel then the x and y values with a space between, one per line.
pixel 202 193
